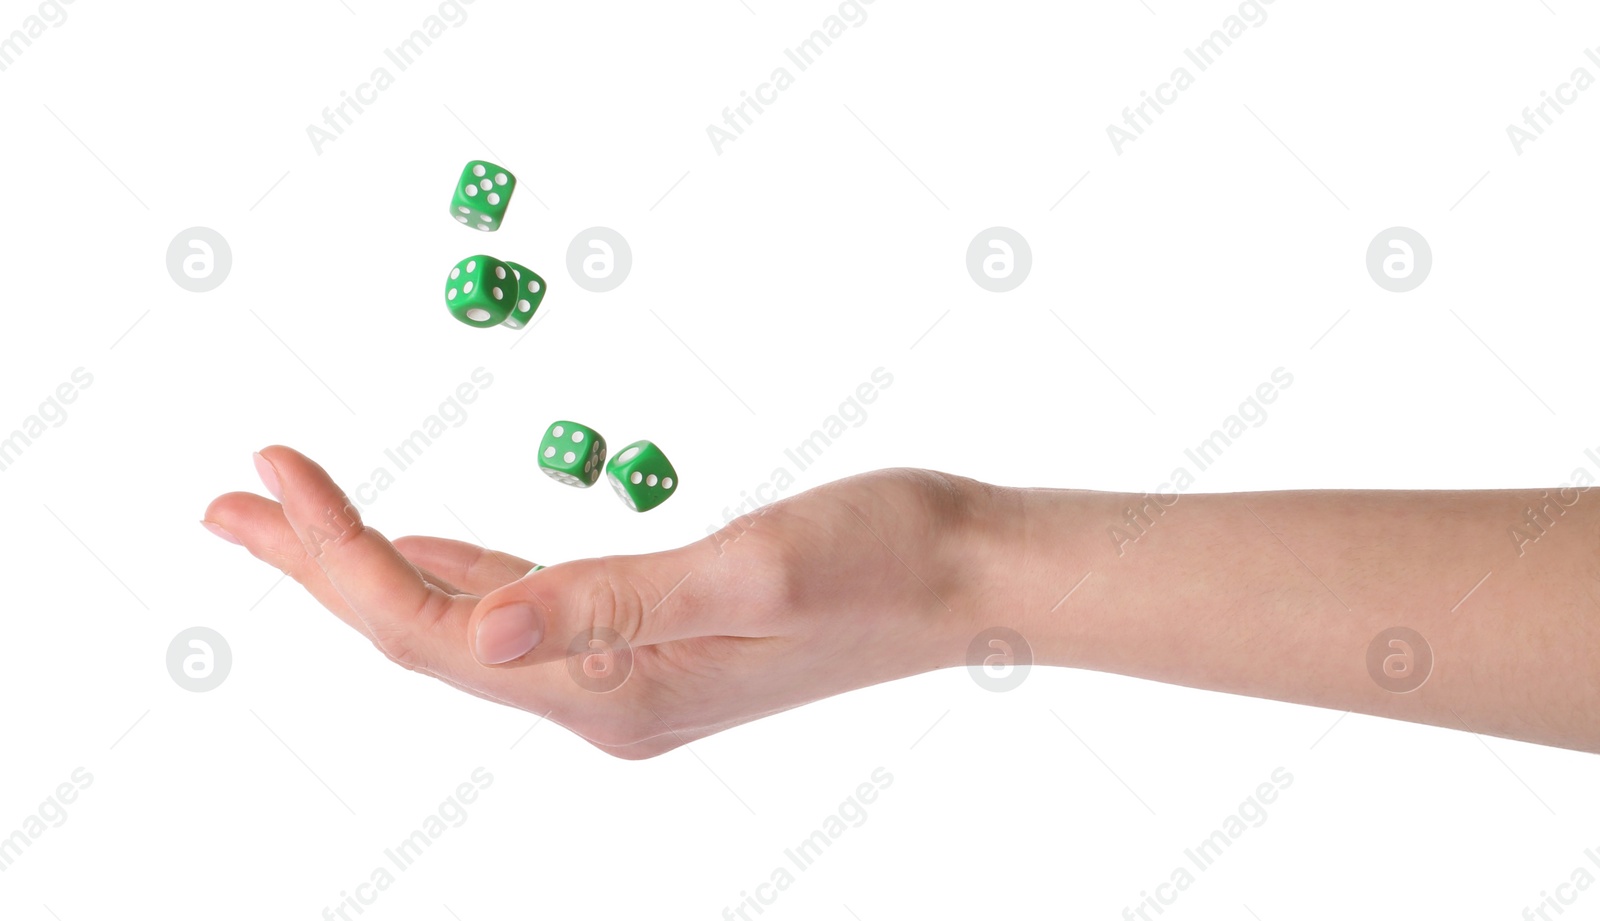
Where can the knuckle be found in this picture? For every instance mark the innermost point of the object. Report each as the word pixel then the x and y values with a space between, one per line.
pixel 399 650
pixel 613 600
pixel 337 527
pixel 769 562
pixel 288 556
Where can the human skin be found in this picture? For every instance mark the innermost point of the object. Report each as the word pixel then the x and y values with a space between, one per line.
pixel 894 573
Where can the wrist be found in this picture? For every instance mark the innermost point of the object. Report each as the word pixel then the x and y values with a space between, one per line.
pixel 1023 559
pixel 1037 555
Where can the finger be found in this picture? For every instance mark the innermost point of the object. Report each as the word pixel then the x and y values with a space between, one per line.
pixel 631 600
pixel 259 525
pixel 415 624
pixel 476 569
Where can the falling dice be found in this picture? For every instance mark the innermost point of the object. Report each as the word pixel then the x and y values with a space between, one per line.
pixel 530 291
pixel 572 454
pixel 481 291
pixel 642 476
pixel 482 194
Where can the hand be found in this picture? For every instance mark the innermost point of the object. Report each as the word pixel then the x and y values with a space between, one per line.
pixel 853 583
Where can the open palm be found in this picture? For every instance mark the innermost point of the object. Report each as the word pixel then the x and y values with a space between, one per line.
pixel 840 587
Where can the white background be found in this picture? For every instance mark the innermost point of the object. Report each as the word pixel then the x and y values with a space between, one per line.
pixel 826 242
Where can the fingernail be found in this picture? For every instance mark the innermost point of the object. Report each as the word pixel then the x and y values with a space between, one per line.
pixel 508 633
pixel 217 530
pixel 269 477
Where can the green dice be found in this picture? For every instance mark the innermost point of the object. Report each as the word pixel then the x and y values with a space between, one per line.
pixel 482 194
pixel 573 454
pixel 480 291
pixel 530 291
pixel 642 476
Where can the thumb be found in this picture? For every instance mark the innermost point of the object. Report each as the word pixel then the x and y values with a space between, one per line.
pixel 617 601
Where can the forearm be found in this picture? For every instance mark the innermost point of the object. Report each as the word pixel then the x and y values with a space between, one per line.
pixel 1280 595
